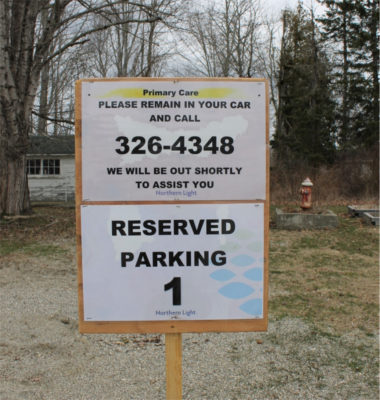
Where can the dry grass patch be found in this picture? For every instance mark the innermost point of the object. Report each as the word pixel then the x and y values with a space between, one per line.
pixel 329 278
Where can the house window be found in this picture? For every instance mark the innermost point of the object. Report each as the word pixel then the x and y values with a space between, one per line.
pixel 50 167
pixel 43 167
pixel 33 167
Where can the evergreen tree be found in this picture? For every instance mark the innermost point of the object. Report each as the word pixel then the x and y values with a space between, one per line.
pixel 365 46
pixel 305 117
pixel 351 26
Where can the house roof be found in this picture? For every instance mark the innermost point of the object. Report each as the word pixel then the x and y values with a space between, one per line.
pixel 64 144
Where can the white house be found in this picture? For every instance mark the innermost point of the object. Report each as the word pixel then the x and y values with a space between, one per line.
pixel 51 168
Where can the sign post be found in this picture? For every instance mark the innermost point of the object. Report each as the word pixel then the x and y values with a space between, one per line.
pixel 173 347
pixel 172 207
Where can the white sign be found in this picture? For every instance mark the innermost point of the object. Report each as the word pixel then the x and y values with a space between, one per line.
pixel 160 140
pixel 173 261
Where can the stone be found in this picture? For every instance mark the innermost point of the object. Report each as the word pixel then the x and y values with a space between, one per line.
pixel 358 211
pixel 371 218
pixel 301 220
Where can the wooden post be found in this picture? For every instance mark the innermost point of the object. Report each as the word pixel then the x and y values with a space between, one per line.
pixel 173 346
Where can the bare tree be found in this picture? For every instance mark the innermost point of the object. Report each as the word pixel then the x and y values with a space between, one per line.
pixel 53 112
pixel 225 39
pixel 269 54
pixel 135 48
pixel 25 48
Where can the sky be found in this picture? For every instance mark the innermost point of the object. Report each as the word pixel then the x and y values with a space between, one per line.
pixel 277 5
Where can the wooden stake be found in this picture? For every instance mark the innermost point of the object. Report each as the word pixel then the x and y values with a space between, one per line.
pixel 173 346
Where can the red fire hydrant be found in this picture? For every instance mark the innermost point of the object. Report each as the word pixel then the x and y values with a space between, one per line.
pixel 305 191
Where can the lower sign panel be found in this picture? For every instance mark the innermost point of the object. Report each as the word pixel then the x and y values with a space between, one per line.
pixel 173 262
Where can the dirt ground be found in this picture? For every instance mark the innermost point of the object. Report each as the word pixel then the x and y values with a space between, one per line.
pixel 43 356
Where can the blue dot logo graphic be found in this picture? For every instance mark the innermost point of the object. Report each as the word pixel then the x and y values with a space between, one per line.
pixel 236 290
pixel 222 275
pixel 253 307
pixel 254 274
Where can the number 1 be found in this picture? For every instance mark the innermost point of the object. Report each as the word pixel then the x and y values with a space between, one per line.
pixel 175 284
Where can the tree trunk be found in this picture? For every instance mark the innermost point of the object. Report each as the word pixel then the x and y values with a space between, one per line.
pixel 18 85
pixel 15 126
pixel 14 133
pixel 14 191
pixel 43 108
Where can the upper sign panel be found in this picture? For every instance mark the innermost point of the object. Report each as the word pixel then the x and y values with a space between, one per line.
pixel 160 140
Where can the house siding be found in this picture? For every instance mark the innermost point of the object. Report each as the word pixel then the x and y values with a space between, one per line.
pixel 54 188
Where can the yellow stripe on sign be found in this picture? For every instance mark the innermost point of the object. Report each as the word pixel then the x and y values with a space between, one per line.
pixel 128 93
pixel 206 93
pixel 215 93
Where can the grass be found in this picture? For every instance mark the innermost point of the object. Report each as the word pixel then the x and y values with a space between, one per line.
pixel 37 234
pixel 33 249
pixel 329 277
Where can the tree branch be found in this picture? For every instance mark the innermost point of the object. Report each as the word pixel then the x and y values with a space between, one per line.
pixel 76 40
pixel 56 120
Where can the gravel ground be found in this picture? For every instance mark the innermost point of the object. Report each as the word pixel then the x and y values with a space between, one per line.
pixel 44 357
